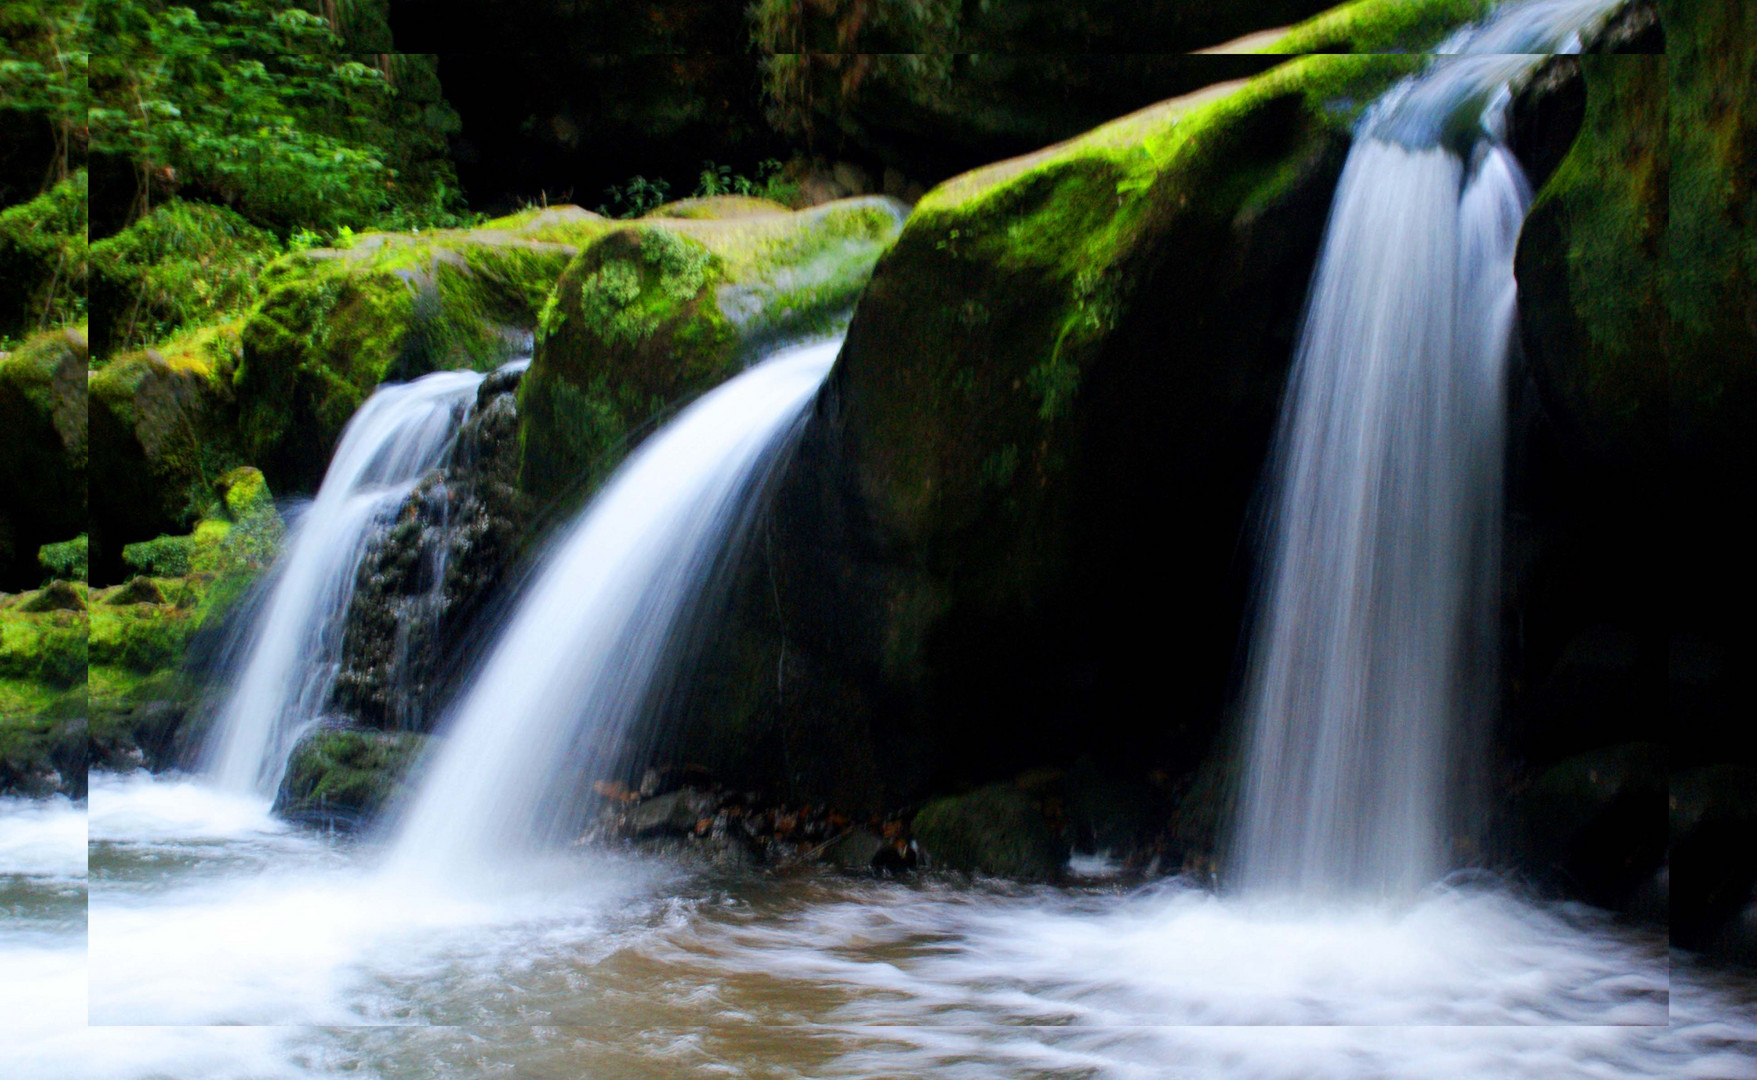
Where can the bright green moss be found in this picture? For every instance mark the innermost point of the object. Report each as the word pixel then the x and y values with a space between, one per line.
pixel 1381 26
pixel 182 264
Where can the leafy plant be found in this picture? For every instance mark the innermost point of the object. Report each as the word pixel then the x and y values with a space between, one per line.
pixel 634 197
pixel 65 561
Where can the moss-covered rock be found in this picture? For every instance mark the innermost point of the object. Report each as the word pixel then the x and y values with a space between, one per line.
pixel 334 323
pixel 183 264
pixel 993 830
pixel 43 450
pixel 1056 347
pixel 661 309
pixel 342 777
pixel 43 260
pixel 718 208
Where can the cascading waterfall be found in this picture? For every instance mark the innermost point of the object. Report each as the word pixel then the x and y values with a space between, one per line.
pixel 1371 661
pixel 581 653
pixel 289 655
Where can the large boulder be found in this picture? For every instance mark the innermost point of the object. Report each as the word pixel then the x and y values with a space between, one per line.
pixel 961 579
pixel 661 309
pixel 994 830
pixel 43 450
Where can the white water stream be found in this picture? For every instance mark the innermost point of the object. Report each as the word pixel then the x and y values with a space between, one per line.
pixel 1372 660
pixel 579 656
pixel 290 653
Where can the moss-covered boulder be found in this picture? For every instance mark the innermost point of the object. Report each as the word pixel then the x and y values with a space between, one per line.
pixel 182 264
pixel 340 777
pixel 43 260
pixel 661 309
pixel 43 450
pixel 143 632
pixel 961 580
pixel 993 830
pixel 334 323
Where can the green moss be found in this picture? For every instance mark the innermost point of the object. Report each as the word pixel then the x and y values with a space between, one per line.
pixel 333 324
pixel 164 556
pixel 1381 26
pixel 346 775
pixel 718 208
pixel 43 640
pixel 658 310
pixel 182 264
pixel 993 830
pixel 43 258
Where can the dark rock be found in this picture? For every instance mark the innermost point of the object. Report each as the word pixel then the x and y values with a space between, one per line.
pixel 55 596
pixel 138 590
pixel 993 830
pixel 1596 823
pixel 856 849
pixel 1713 854
pixel 433 568
pixel 678 812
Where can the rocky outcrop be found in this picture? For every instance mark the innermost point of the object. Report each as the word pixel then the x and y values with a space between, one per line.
pixel 433 568
pixel 960 579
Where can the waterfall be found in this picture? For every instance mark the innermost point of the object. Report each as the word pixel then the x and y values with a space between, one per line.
pixel 589 638
pixel 289 653
pixel 1371 663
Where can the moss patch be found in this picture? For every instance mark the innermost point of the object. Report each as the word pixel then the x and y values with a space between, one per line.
pixel 661 309
pixel 993 830
pixel 343 776
pixel 332 324
pixel 1381 26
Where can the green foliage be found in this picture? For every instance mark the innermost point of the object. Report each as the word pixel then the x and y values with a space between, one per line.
pixel 65 561
pixel 255 105
pixel 43 260
pixel 634 197
pixel 43 72
pixel 164 556
pixel 770 182
pixel 182 264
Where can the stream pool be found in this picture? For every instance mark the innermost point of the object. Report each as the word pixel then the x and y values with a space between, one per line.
pixel 166 930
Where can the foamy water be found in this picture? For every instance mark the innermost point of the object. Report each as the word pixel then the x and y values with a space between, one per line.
pixel 606 964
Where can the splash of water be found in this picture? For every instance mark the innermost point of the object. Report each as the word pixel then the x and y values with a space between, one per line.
pixel 290 654
pixel 1372 659
pixel 582 651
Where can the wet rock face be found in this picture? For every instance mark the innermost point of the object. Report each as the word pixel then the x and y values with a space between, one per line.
pixel 431 568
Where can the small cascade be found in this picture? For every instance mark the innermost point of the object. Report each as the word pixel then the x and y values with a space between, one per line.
pixel 589 640
pixel 1372 657
pixel 289 655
